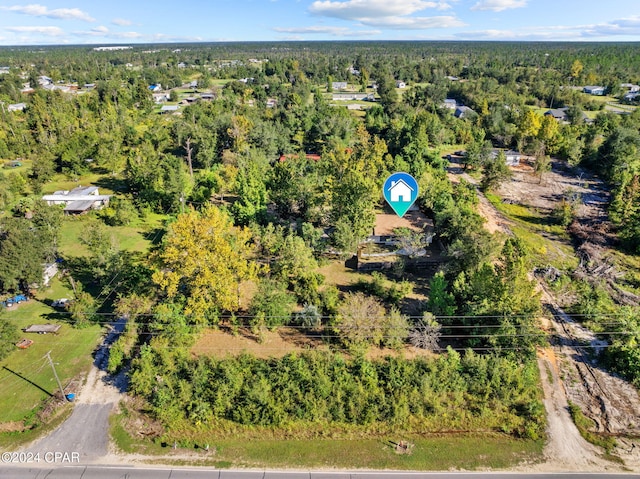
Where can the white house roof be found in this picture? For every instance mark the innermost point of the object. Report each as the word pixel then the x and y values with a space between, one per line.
pixel 79 194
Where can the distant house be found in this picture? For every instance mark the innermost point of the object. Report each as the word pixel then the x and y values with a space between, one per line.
pixel 207 96
pixel 160 97
pixel 17 107
pixel 89 86
pixel 463 112
pixel 632 96
pixel 630 86
pixel 400 191
pixel 4 70
pixel 79 200
pixel 182 65
pixel 166 109
pixel 559 114
pixel 193 84
pixel 339 85
pixel 49 270
pixel 400 84
pixel 594 90
pixel 452 78
pixel 450 103
pixel 155 87
pixel 511 157
pixel 353 96
pixel 271 102
pixel 45 80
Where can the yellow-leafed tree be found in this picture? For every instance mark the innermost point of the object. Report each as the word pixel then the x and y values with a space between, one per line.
pixel 204 258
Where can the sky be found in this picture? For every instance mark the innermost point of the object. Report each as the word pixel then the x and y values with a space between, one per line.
pixel 135 21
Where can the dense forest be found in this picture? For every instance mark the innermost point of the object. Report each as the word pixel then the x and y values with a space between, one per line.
pixel 272 179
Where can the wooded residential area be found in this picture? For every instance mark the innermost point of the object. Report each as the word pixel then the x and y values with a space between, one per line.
pixel 236 222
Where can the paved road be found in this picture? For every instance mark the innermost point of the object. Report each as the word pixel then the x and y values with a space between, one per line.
pixel 105 472
pixel 85 431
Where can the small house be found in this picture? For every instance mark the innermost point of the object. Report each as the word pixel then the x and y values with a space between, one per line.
pixel 511 157
pixel 160 97
pixel 49 270
pixel 167 109
pixel 79 200
pixel 400 84
pixel 559 114
pixel 339 85
pixel 271 102
pixel 463 112
pixel 353 96
pixel 450 103
pixel 155 87
pixel 594 90
pixel 17 107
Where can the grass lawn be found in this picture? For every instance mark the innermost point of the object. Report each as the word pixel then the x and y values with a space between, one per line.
pixel 26 379
pixel 437 453
pixel 5 169
pixel 63 182
pixel 220 81
pixel 137 237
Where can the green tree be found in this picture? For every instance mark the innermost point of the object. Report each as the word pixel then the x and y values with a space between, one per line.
pixel 359 319
pixel 272 304
pixel 8 336
pixel 495 171
pixel 204 259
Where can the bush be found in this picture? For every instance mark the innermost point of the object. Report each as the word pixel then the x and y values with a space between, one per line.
pixel 272 303
pixel 8 337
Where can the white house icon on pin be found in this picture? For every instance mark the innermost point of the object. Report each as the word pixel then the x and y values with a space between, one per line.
pixel 400 192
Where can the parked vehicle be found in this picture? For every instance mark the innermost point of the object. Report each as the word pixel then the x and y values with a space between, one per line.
pixel 17 299
pixel 61 303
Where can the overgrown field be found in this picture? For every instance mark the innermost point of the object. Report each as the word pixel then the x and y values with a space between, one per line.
pixel 325 395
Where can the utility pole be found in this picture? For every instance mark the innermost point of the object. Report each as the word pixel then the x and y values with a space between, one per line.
pixel 48 356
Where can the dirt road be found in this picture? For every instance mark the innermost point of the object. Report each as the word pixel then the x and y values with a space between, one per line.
pixel 566 369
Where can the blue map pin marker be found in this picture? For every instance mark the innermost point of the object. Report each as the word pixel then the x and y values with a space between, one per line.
pixel 401 191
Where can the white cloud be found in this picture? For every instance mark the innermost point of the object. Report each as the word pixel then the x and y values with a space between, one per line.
pixel 356 9
pixel 123 22
pixel 629 26
pixel 94 32
pixel 621 26
pixel 498 5
pixel 394 14
pixel 48 31
pixel 37 10
pixel 335 31
pixel 414 23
